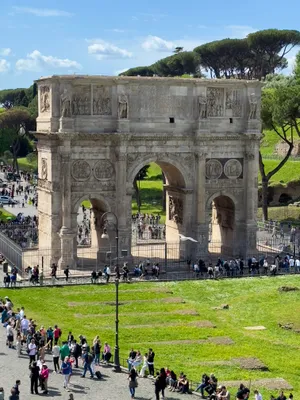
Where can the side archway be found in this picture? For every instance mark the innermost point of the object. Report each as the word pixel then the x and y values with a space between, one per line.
pixel 221 216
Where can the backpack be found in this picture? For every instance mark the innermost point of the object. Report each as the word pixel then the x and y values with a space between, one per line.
pixel 90 358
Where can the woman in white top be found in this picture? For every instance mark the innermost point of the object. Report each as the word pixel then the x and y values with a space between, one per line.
pixel 32 350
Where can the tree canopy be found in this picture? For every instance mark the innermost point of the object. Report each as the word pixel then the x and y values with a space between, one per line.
pixel 254 57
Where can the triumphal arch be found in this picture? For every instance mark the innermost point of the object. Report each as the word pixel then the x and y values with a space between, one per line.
pixel 95 133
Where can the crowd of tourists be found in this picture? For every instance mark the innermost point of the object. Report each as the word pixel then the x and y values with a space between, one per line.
pixel 148 226
pixel 253 266
pixel 23 230
pixel 25 337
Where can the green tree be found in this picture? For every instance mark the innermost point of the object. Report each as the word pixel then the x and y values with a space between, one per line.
pixel 141 71
pixel 280 112
pixel 18 122
pixel 178 49
pixel 296 71
pixel 140 176
pixel 185 62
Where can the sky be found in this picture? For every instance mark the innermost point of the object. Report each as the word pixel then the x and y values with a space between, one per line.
pixel 99 37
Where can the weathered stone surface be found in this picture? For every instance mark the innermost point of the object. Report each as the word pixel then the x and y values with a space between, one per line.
pixel 96 133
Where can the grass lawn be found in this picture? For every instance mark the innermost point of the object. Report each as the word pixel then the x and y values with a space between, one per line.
pixel 158 314
pixel 289 172
pixel 25 165
pixel 6 214
pixel 284 213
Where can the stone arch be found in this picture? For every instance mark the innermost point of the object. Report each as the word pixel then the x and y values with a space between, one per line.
pixel 171 166
pixel 76 202
pixel 221 210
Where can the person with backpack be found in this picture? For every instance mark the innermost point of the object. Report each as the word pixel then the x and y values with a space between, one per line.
pixel 87 359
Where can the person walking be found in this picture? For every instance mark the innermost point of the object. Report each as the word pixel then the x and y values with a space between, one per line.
pixel 87 359
pixel 67 273
pixel 34 377
pixel 145 366
pixel 57 334
pixel 132 381
pixel 66 369
pixel 55 354
pixel 16 388
pixel 151 356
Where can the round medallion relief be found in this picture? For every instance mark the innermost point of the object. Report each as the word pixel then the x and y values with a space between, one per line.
pixel 81 170
pixel 213 169
pixel 103 170
pixel 233 169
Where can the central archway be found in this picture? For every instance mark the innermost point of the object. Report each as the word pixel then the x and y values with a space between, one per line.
pixel 166 244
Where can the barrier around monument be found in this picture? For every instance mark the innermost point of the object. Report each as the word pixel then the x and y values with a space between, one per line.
pixel 12 252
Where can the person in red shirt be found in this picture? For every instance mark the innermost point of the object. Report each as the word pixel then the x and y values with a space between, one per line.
pixel 57 334
pixel 44 374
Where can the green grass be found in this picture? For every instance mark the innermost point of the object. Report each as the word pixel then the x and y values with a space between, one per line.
pixel 6 214
pixel 252 301
pixel 25 165
pixel 284 213
pixel 269 142
pixel 289 172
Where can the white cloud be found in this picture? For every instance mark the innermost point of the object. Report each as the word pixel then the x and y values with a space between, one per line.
pixel 36 61
pixel 101 49
pixel 4 66
pixel 43 12
pixel 240 31
pixel 5 52
pixel 116 30
pixel 155 43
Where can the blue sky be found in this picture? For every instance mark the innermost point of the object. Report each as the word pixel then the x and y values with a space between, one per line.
pixel 106 37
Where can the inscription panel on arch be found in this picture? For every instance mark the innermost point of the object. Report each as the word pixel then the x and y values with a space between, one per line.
pixel 224 168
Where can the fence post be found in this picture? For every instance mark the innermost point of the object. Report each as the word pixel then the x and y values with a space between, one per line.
pixel 166 256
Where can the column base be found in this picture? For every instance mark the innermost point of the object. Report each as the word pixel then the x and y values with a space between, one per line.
pixel 67 243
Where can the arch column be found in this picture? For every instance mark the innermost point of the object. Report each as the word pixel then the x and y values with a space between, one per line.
pixel 202 222
pixel 66 234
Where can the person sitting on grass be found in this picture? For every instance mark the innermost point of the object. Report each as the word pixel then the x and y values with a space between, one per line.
pixel 172 381
pixel 243 393
pixel 203 384
pixel 183 384
pixel 223 393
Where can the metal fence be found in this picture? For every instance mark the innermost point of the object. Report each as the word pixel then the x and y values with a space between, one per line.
pixel 12 252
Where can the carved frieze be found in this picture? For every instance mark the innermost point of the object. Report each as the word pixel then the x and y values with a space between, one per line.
pixel 123 107
pixel 66 103
pixel 81 100
pixel 233 102
pixel 215 102
pixel 202 102
pixel 92 186
pixel 81 170
pixel 102 100
pixel 213 169
pixel 44 99
pixel 253 101
pixel 175 209
pixel 44 169
pixel 224 168
pixel 103 169
pixel 233 168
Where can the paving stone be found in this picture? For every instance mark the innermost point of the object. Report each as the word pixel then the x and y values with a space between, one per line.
pixel 113 386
